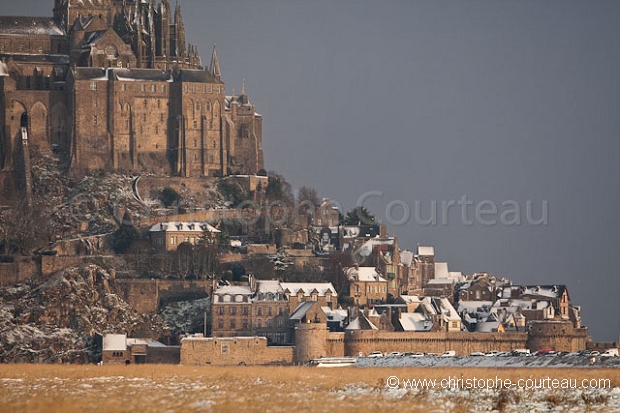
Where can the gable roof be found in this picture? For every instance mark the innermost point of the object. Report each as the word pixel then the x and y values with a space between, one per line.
pixel 415 322
pixel 196 227
pixel 361 323
pixel 364 274
pixel 302 309
pixel 322 288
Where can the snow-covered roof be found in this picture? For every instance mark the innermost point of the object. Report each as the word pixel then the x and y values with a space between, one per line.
pixel 364 274
pixel 415 322
pixel 441 280
pixel 335 315
pixel 269 286
pixel 300 311
pixel 197 227
pixel 361 323
pixel 426 251
pixel 362 231
pixel 114 342
pixel 479 307
pixel 487 326
pixel 367 248
pixel 441 270
pixel 31 26
pixel 406 257
pixel 307 288
pixel 233 290
pixel 416 299
pixel 447 310
pixel 456 276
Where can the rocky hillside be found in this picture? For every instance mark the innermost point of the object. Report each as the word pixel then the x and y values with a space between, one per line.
pixel 55 320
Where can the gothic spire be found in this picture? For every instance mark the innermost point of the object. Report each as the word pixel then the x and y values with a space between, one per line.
pixel 214 67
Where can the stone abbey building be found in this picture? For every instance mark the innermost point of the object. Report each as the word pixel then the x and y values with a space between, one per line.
pixel 113 84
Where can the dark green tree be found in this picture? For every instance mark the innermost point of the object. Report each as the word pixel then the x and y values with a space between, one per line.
pixel 125 235
pixel 169 197
pixel 360 216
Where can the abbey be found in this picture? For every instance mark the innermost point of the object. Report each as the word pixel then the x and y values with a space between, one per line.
pixel 112 84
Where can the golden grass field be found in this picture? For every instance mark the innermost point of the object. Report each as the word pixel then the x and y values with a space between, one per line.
pixel 172 388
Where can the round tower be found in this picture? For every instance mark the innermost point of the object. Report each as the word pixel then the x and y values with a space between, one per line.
pixel 310 340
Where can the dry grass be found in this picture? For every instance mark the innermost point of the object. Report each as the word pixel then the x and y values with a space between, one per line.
pixel 44 388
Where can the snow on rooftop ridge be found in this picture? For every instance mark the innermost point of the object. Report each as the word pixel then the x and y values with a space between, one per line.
pixel 307 288
pixel 114 342
pixel 426 251
pixel 185 226
pixel 364 274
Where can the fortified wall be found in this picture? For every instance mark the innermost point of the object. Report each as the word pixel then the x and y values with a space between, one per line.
pixel 556 335
pixel 221 351
pixel 147 296
pixel 313 340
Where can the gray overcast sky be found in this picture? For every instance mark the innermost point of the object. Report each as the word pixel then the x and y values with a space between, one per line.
pixel 434 100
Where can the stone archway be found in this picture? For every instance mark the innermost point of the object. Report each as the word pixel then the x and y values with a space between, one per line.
pixel 39 127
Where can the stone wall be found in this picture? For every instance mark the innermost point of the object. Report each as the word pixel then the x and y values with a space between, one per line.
pixel 335 344
pixel 556 335
pixel 163 355
pixel 200 351
pixel 366 341
pixel 52 264
pixel 147 296
pixel 310 341
pixel 19 270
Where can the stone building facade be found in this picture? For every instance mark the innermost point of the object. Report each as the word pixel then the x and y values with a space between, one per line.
pixel 113 84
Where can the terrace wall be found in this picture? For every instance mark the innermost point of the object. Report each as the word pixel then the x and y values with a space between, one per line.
pixel 222 351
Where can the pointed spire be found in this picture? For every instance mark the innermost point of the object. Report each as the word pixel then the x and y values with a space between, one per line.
pixel 214 68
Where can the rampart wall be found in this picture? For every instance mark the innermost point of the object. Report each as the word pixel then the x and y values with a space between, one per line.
pixel 221 351
pixel 556 335
pixel 366 341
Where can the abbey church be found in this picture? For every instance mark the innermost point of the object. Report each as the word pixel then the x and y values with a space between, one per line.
pixel 112 84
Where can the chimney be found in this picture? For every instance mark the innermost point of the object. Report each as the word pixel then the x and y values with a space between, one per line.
pixel 383 231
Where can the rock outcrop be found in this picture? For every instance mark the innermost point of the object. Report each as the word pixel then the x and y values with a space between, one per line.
pixel 57 319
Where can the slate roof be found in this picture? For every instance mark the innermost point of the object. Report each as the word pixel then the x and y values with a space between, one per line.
pixel 58 59
pixel 196 76
pixel 301 310
pixel 82 73
pixel 18 25
pixel 154 75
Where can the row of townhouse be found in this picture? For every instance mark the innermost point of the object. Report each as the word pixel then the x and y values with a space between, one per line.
pixel 267 308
